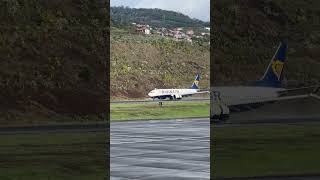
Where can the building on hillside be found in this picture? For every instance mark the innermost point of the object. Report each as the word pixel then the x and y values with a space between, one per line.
pixel 171 33
pixel 189 39
pixel 204 33
pixel 177 36
pixel 141 28
pixel 159 33
pixel 147 31
pixel 190 32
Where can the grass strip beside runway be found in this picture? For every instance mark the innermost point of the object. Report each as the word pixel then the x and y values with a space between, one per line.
pixel 266 150
pixel 61 156
pixel 169 110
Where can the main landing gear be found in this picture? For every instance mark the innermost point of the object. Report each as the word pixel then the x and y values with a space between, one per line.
pixel 219 111
pixel 160 103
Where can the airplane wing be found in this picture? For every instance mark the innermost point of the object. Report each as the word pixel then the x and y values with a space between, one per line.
pixel 297 91
pixel 256 103
pixel 199 92
pixel 202 92
pixel 266 100
pixel 287 94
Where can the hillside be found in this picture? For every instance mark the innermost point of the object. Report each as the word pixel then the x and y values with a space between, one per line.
pixel 124 16
pixel 246 34
pixel 52 60
pixel 141 63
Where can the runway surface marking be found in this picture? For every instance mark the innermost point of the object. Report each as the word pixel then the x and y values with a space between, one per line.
pixel 160 149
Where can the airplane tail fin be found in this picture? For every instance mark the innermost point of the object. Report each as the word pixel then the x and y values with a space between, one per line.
pixel 195 84
pixel 274 73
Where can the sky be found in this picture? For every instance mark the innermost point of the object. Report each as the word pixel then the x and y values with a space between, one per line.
pixel 199 9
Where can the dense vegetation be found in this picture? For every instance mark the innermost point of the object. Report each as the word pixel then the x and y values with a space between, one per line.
pixel 247 33
pixel 52 59
pixel 141 63
pixel 124 16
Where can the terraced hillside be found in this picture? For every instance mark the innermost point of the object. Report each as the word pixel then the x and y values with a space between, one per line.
pixel 141 63
pixel 246 34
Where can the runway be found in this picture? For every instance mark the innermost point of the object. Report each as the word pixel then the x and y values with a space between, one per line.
pixel 160 149
pixel 94 127
pixel 295 177
pixel 156 101
pixel 267 122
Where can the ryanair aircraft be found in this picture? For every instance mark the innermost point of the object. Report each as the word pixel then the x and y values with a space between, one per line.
pixel 268 89
pixel 176 94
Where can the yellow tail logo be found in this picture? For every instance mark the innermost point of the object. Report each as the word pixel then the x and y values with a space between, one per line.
pixel 277 67
pixel 196 82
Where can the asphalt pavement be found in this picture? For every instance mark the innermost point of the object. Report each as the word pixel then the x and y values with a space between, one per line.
pixel 92 127
pixel 160 149
pixel 292 177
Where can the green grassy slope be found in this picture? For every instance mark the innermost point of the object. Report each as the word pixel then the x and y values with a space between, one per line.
pixel 271 150
pixel 142 63
pixel 169 110
pixel 60 156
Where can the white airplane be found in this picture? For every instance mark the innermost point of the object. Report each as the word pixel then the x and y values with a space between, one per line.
pixel 176 94
pixel 226 99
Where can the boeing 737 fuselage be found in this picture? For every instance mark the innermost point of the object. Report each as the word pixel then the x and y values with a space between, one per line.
pixel 174 94
pixel 171 93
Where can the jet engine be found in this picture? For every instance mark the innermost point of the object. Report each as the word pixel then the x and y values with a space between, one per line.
pixel 177 96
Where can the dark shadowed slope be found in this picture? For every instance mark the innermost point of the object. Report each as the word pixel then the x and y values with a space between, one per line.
pixel 52 60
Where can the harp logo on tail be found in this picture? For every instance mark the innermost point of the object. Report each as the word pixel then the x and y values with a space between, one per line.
pixel 196 82
pixel 277 67
pixel 273 75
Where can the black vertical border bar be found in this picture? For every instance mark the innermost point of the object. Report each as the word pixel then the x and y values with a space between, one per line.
pixel 211 85
pixel 107 83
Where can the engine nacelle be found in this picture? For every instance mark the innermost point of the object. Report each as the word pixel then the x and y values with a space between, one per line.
pixel 177 96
